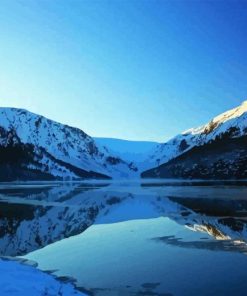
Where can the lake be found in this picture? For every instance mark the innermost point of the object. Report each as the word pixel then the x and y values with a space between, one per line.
pixel 158 237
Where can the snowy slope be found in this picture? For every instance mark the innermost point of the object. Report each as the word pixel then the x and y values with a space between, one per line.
pixel 34 147
pixel 54 145
pixel 231 124
pixel 132 151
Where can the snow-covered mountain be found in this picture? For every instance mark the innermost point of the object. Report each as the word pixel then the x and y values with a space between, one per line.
pixel 217 149
pixel 130 151
pixel 34 147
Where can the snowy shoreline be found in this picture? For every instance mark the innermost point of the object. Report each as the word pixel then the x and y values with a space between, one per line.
pixel 21 278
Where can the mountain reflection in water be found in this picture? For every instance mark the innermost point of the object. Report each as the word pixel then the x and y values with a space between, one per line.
pixel 128 238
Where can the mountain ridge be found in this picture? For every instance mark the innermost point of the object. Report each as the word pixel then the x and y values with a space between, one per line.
pixel 33 146
pixel 65 148
pixel 218 131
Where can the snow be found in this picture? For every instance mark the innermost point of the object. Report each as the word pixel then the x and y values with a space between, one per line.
pixel 18 279
pixel 234 118
pixel 69 144
pixel 127 150
pixel 220 119
pixel 119 159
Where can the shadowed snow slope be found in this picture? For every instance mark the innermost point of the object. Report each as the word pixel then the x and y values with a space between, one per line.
pixel 34 147
pixel 43 148
pixel 130 151
pixel 214 150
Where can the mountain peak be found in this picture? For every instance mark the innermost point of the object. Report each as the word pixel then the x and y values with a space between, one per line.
pixel 244 104
pixel 218 120
pixel 57 149
pixel 230 124
pixel 233 113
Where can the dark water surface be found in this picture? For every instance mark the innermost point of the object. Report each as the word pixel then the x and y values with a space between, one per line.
pixel 131 238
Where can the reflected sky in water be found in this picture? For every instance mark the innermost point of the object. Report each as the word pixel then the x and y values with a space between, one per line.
pixel 128 238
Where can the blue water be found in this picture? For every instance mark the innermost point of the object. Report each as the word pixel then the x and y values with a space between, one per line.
pixel 128 238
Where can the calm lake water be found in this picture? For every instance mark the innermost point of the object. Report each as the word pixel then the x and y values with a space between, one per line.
pixel 131 238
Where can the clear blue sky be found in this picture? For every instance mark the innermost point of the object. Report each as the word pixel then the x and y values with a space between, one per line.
pixel 142 70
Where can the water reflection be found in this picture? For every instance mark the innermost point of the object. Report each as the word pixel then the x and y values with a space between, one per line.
pixel 217 245
pixel 131 238
pixel 35 215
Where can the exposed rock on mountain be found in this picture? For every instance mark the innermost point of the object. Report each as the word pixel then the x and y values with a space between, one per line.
pixel 216 150
pixel 34 147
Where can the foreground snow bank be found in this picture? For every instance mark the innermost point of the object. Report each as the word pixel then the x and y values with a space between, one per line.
pixel 18 279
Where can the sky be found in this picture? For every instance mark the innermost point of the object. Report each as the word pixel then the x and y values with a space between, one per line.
pixel 136 70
